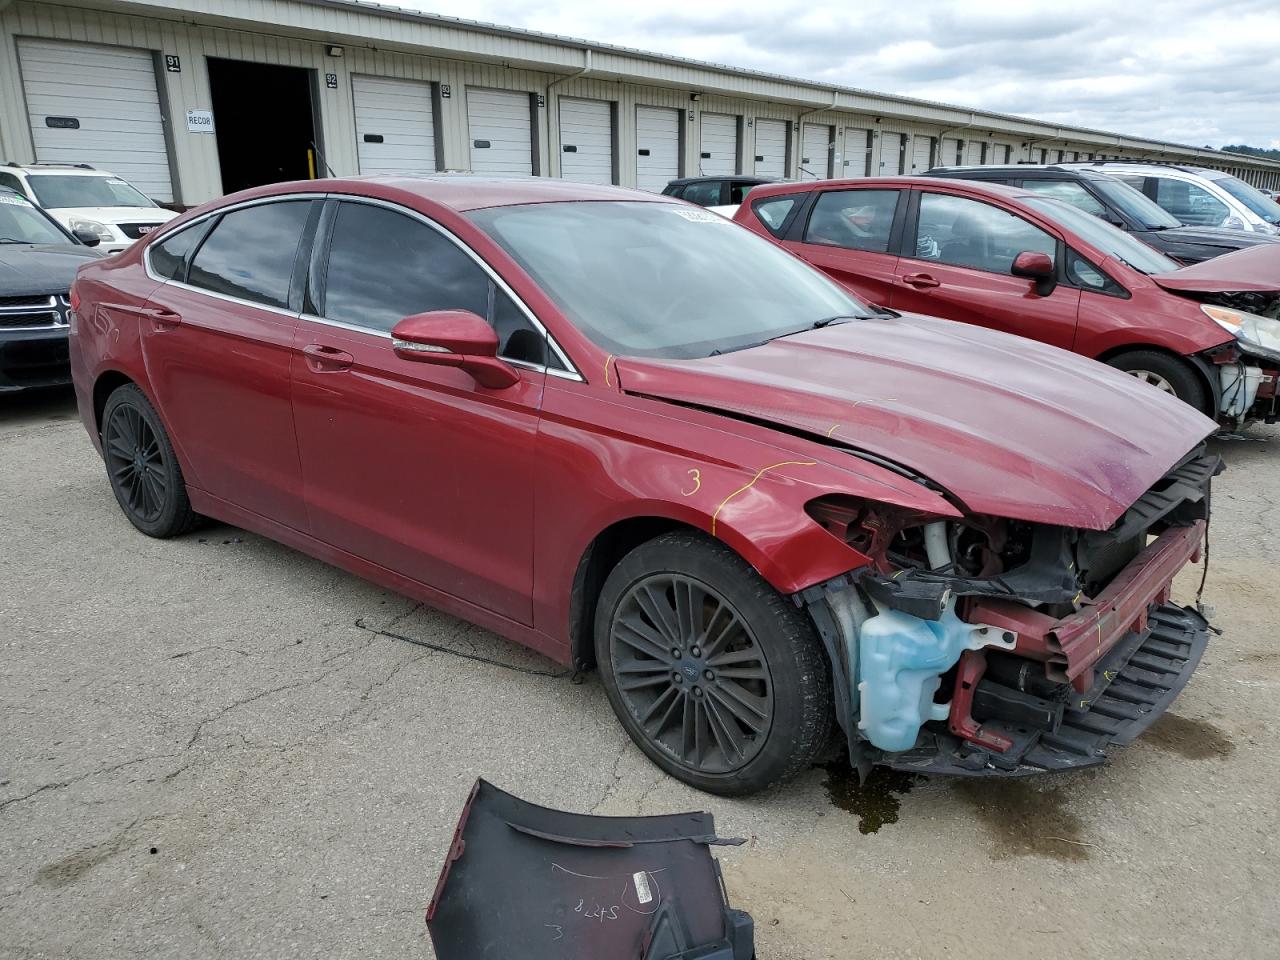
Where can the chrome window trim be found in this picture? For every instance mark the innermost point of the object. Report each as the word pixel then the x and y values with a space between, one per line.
pixel 569 369
pixel 244 204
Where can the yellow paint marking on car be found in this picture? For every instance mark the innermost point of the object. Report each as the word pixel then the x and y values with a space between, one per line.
pixel 751 483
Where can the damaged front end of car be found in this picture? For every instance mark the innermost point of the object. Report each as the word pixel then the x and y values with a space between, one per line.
pixel 1246 371
pixel 996 647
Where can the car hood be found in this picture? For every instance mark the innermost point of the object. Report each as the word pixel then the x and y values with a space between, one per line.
pixel 1216 237
pixel 1011 427
pixel 1252 269
pixel 114 214
pixel 29 269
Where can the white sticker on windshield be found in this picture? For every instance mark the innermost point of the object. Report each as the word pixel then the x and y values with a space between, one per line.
pixel 13 199
pixel 117 183
pixel 701 216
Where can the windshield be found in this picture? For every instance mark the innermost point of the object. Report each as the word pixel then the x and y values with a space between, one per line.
pixel 1254 199
pixel 69 190
pixel 22 223
pixel 1110 240
pixel 1137 205
pixel 664 279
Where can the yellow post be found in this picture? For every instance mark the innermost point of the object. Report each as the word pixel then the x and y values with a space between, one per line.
pixel 311 163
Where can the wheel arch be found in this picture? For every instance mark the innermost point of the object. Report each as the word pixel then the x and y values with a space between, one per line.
pixel 107 383
pixel 602 554
pixel 1201 367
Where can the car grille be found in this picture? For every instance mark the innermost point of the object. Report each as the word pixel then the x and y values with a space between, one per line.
pixel 135 230
pixel 28 313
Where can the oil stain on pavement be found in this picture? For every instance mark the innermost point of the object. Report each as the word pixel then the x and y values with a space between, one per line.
pixel 1191 739
pixel 875 801
pixel 1024 821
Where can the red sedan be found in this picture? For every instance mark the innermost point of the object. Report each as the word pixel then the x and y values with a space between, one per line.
pixel 620 430
pixel 1023 262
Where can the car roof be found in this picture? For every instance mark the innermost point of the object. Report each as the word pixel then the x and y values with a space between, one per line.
pixel 74 169
pixel 738 177
pixel 1053 171
pixel 1138 165
pixel 896 183
pixel 463 192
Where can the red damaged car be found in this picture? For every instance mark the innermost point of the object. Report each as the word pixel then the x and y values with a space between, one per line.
pixel 1021 261
pixel 766 512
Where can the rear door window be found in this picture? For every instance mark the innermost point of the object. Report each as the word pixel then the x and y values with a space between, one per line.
pixel 1190 202
pixel 250 253
pixel 1071 191
pixel 969 233
pixel 703 194
pixel 853 219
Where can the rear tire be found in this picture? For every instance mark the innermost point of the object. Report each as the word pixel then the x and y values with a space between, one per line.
pixel 1164 372
pixel 718 678
pixel 142 467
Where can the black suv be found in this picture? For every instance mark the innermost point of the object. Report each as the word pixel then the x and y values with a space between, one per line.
pixel 1115 201
pixel 38 261
pixel 713 191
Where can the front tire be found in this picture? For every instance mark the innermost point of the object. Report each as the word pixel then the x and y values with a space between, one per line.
pixel 142 467
pixel 719 679
pixel 1173 376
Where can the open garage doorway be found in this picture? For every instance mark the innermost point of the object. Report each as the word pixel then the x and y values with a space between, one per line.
pixel 264 119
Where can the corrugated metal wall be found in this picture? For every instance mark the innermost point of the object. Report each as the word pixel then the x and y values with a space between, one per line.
pixel 299 34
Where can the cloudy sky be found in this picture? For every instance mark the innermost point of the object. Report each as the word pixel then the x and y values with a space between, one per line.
pixel 1190 71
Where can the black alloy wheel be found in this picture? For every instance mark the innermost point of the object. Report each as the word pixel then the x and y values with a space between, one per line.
pixel 142 467
pixel 719 679
pixel 691 672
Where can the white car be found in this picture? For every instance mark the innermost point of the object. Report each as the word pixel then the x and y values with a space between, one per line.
pixel 1197 196
pixel 87 201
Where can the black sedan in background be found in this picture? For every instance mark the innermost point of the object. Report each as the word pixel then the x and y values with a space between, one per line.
pixel 38 261
pixel 1119 204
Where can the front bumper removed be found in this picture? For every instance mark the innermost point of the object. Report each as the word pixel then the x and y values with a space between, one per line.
pixel 1134 683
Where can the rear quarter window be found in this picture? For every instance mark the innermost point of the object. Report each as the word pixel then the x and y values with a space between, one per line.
pixel 773 213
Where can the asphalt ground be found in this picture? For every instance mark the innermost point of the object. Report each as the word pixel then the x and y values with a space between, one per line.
pixel 202 754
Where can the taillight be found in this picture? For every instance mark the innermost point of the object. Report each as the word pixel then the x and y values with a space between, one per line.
pixel 74 297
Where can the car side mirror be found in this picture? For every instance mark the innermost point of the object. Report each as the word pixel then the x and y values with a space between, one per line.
pixel 87 238
pixel 1038 267
pixel 454 338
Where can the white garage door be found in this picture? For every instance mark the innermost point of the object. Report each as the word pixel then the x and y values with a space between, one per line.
pixel 815 152
pixel 395 126
pixel 952 152
pixel 97 105
pixel 499 123
pixel 857 152
pixel 586 140
pixel 921 153
pixel 892 160
pixel 771 148
pixel 658 146
pixel 975 152
pixel 719 155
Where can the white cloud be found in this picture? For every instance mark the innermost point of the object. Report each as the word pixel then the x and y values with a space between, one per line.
pixel 1191 71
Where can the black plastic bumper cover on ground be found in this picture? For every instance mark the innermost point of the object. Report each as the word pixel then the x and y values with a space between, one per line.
pixel 524 881
pixel 1136 682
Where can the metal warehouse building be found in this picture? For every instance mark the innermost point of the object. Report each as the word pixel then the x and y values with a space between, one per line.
pixel 191 100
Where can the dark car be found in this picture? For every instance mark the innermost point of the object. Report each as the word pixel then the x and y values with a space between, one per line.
pixel 713 191
pixel 760 507
pixel 38 261
pixel 1119 204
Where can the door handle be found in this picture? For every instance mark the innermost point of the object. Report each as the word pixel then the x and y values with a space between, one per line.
pixel 920 281
pixel 161 317
pixel 324 359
